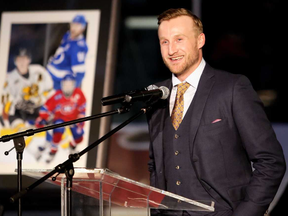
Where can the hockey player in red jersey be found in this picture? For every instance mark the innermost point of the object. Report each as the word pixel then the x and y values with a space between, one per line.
pixel 66 104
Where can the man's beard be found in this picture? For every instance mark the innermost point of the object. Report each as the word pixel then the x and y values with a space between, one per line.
pixel 191 60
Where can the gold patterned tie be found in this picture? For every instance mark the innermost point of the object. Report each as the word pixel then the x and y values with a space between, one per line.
pixel 178 109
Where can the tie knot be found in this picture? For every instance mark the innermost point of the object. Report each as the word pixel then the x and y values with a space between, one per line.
pixel 182 87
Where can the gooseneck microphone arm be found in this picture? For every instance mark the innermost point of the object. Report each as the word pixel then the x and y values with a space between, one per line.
pixel 31 132
pixel 139 95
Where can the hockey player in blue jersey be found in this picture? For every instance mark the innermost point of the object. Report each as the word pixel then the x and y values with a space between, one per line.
pixel 70 56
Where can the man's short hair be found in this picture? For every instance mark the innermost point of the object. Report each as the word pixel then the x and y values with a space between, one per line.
pixel 176 12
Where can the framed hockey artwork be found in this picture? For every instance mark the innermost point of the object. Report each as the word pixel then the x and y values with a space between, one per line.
pixel 48 66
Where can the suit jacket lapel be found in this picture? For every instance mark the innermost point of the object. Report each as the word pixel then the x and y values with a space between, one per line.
pixel 205 85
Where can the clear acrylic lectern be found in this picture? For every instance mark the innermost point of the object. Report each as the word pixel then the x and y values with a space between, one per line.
pixel 105 193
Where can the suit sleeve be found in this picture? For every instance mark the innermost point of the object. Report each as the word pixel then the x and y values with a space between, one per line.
pixel 262 147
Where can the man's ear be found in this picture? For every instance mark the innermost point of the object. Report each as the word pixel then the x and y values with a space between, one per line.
pixel 201 40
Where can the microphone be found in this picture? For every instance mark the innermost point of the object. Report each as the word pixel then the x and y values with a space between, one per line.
pixel 161 92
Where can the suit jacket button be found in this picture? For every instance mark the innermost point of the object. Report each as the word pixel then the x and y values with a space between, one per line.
pixel 176 136
pixel 178 182
pixel 177 167
pixel 176 152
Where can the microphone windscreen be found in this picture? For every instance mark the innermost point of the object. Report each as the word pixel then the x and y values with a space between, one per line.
pixel 165 91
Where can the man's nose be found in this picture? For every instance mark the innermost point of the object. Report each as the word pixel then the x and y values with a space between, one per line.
pixel 172 49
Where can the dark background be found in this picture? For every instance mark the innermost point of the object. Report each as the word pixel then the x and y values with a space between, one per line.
pixel 245 37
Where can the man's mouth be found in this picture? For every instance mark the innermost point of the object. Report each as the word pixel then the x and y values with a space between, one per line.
pixel 175 59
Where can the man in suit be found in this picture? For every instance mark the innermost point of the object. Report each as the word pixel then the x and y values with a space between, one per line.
pixel 210 130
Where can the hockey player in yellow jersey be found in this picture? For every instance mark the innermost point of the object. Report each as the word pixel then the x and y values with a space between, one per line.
pixel 26 88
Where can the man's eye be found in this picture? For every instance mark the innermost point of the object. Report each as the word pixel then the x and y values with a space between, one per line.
pixel 164 42
pixel 179 39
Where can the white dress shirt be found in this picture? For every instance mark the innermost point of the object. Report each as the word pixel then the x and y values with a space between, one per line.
pixel 193 79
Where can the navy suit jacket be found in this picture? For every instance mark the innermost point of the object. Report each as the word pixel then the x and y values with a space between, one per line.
pixel 222 152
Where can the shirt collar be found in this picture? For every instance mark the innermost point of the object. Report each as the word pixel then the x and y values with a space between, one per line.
pixel 194 78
